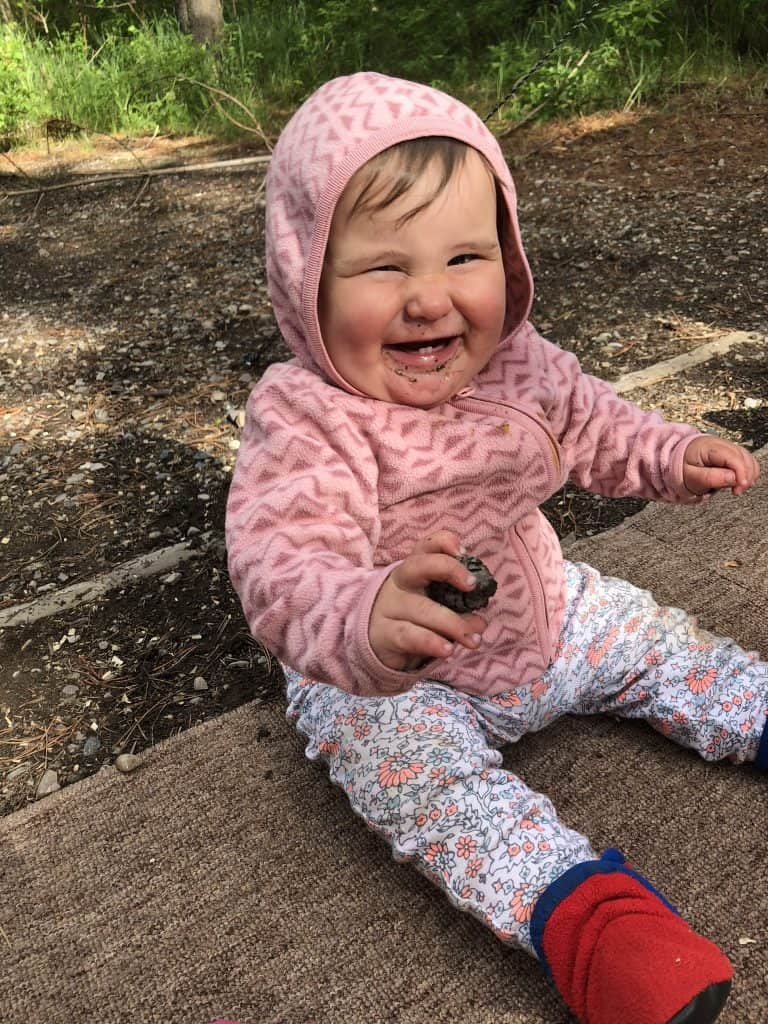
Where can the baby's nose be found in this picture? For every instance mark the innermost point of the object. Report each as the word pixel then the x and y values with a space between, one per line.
pixel 429 300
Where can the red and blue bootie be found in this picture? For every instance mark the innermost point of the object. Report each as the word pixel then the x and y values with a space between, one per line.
pixel 617 951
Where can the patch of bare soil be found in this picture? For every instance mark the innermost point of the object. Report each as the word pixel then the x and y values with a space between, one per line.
pixel 134 320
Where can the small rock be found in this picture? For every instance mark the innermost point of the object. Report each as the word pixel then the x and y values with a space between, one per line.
pixel 48 784
pixel 235 416
pixel 70 690
pixel 172 577
pixel 91 746
pixel 126 762
pixel 752 403
pixel 199 683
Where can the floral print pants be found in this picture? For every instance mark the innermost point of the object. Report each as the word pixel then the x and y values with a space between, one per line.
pixel 423 768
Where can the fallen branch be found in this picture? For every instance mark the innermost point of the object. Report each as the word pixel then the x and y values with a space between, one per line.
pixel 124 575
pixel 148 173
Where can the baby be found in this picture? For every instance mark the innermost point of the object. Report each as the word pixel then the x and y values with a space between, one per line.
pixel 423 417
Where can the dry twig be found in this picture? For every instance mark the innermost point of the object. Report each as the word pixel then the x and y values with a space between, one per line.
pixel 151 172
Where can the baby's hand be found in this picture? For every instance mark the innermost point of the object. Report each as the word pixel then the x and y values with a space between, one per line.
pixel 711 464
pixel 406 627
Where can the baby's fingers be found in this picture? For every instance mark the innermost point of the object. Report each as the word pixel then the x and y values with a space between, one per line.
pixel 417 571
pixel 701 480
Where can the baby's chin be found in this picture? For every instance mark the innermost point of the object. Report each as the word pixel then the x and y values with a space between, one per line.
pixel 420 390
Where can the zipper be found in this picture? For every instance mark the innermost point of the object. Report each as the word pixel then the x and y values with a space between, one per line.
pixel 541 612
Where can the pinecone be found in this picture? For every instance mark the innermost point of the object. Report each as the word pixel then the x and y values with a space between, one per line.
pixel 465 600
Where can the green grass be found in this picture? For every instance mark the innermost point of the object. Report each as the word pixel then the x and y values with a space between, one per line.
pixel 141 77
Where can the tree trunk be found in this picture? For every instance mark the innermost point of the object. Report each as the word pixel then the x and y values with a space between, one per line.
pixel 6 15
pixel 202 19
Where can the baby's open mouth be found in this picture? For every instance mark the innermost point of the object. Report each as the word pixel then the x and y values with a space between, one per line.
pixel 425 355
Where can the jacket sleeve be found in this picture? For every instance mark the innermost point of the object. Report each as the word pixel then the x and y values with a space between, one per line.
pixel 301 529
pixel 611 446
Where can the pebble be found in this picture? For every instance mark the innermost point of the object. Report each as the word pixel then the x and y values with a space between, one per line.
pixel 126 762
pixel 91 746
pixel 199 683
pixel 70 690
pixel 48 784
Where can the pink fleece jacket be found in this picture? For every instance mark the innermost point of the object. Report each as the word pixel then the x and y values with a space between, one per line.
pixel 332 488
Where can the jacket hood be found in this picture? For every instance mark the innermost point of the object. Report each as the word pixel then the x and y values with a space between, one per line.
pixel 338 129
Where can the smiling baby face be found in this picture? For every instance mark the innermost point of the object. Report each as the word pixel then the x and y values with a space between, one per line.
pixel 412 294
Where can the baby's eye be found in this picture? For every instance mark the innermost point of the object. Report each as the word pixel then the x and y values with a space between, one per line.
pixel 386 267
pixel 465 257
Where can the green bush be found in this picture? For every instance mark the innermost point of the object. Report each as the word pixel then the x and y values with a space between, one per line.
pixel 131 83
pixel 129 68
pixel 15 94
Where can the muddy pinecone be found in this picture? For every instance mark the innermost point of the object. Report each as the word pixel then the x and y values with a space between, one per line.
pixel 465 600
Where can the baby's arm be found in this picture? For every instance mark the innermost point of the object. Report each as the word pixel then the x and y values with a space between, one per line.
pixel 300 528
pixel 613 447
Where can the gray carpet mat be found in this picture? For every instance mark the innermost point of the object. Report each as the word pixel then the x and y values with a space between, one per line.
pixel 227 877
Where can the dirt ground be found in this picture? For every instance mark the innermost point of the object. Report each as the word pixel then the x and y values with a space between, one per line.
pixel 134 319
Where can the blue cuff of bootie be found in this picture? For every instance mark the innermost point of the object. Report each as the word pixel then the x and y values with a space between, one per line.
pixel 611 862
pixel 762 751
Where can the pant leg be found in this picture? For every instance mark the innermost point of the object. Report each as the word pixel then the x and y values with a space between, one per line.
pixel 420 770
pixel 627 655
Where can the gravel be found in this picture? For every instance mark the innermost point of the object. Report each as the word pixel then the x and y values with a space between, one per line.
pixel 134 320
